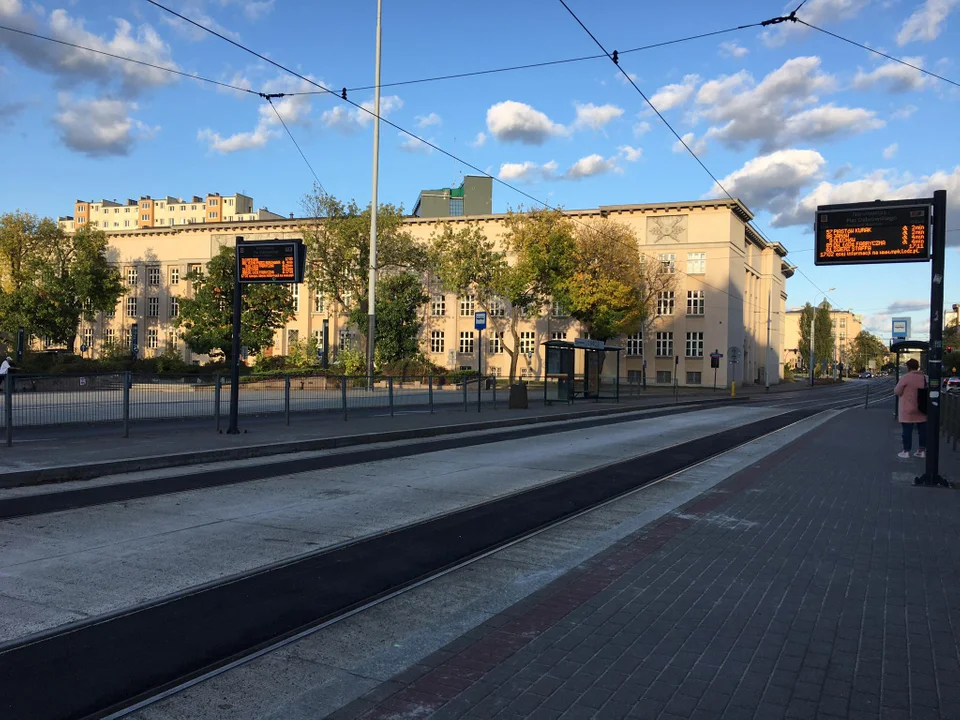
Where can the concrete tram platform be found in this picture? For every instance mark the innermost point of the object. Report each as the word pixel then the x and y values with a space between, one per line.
pixel 816 582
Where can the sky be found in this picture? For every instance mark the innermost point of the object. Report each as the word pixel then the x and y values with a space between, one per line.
pixel 785 117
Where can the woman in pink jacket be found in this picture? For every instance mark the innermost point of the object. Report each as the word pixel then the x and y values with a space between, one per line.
pixel 909 412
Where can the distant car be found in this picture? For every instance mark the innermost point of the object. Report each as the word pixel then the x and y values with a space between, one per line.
pixel 951 385
pixel 866 375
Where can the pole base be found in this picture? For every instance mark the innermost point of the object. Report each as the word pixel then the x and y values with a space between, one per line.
pixel 928 481
pixel 233 431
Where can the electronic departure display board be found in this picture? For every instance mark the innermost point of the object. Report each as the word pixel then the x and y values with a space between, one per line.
pixel 275 261
pixel 873 233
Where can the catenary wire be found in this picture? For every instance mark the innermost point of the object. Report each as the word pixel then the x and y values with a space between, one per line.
pixel 280 118
pixel 416 137
pixel 128 59
pixel 878 52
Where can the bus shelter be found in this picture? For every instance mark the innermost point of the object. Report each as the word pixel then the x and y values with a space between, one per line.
pixel 905 346
pixel 575 371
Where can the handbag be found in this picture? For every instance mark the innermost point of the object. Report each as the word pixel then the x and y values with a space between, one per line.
pixel 922 399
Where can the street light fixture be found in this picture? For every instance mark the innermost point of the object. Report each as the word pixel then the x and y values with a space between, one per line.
pixel 813 325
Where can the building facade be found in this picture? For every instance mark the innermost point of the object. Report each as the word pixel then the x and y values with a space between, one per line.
pixel 112 216
pixel 846 326
pixel 729 296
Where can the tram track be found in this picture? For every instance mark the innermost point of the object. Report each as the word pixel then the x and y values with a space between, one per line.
pixel 114 664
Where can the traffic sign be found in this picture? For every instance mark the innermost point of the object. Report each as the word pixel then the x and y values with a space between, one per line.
pixel 480 321
pixel 84 348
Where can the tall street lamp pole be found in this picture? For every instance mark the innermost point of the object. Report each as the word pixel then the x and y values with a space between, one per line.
pixel 372 291
pixel 813 327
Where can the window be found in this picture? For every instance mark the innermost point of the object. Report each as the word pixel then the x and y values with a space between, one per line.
pixel 496 343
pixel 558 335
pixel 346 340
pixel 133 277
pixel 132 307
pixel 695 302
pixel 126 223
pixel 467 306
pixel 153 307
pixel 558 310
pixel 171 221
pixel 153 339
pixel 108 336
pixel 212 202
pixel 495 371
pixel 664 344
pixel 664 377
pixel 694 378
pixel 126 339
pixel 528 342
pixel 498 308
pixel 293 337
pixel 438 305
pixel 669 262
pixel 466 342
pixel 843 322
pixel 635 344
pixel 347 302
pixel 193 207
pixel 318 303
pixel 694 344
pixel 665 303
pixel 211 214
pixel 153 275
pixel 696 263
pixel 456 207
pixel 111 313
pixel 526 373
pixel 174 276
pixel 195 268
pixel 116 211
pixel 144 217
pixel 634 377
pixel 88 337
pixel 145 205
pixel 436 341
pixel 295 294
pixel 174 306
pixel 843 336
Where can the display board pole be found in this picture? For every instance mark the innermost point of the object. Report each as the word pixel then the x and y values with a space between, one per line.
pixel 235 345
pixel 935 353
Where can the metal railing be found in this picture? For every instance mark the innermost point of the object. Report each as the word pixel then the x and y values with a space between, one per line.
pixel 950 417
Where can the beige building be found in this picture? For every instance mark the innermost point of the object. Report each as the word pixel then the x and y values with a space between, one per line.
pixel 846 326
pixel 730 284
pixel 112 216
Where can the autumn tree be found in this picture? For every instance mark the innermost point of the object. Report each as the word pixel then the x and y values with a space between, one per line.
pixel 337 236
pixel 206 319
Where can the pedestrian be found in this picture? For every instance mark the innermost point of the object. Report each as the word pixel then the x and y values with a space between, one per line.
pixel 5 367
pixel 910 412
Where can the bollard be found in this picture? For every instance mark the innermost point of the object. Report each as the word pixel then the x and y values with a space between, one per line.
pixel 430 392
pixel 390 393
pixel 216 399
pixel 866 399
pixel 464 394
pixel 343 394
pixel 733 388
pixel 286 398
pixel 479 391
pixel 126 403
pixel 494 393
pixel 8 408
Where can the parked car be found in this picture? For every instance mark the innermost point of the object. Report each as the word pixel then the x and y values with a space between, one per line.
pixel 866 374
pixel 951 385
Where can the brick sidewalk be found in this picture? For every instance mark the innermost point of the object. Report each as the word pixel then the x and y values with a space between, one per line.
pixel 817 583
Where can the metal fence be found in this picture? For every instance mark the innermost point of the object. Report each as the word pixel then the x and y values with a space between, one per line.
pixel 950 416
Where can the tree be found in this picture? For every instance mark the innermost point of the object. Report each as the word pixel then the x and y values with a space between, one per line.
pixel 206 319
pixel 823 336
pixel 399 299
pixel 864 348
pixel 50 279
pixel 337 237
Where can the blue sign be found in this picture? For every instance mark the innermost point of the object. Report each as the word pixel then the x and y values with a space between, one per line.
pixel 480 321
pixel 901 328
pixel 83 348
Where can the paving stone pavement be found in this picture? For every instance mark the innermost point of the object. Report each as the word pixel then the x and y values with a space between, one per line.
pixel 817 583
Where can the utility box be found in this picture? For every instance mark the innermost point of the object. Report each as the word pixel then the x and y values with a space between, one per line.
pixel 518 397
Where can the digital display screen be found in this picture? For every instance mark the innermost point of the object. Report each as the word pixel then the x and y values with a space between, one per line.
pixel 873 234
pixel 262 262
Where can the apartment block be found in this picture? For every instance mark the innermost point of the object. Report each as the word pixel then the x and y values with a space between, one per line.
pixel 846 326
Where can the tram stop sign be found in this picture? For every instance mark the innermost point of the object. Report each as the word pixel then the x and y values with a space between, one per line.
pixel 715 359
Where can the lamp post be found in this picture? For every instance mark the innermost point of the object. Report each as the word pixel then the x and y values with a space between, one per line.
pixel 813 328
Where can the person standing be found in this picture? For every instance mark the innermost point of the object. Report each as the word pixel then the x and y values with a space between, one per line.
pixel 5 368
pixel 908 409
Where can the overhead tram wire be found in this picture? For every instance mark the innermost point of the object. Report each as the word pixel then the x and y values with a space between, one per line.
pixel 614 57
pixel 414 136
pixel 129 60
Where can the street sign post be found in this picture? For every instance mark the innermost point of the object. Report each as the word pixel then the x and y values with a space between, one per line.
pixel 134 340
pixel 715 358
pixel 480 324
pixel 912 230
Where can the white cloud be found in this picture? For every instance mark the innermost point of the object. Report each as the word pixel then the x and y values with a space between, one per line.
pixel 591 165
pixel 926 22
pixel 904 112
pixel 731 49
pixel 349 119
pixel 527 171
pixel 632 76
pixel 71 66
pixel 699 147
pixel 896 77
pixel 512 121
pixel 99 127
pixel 428 120
pixel 630 154
pixel 595 117
pixel 412 145
pixel 772 111
pixel 253 10
pixel 480 140
pixel 238 141
pixel 890 151
pixel 676 94
pixel 878 185
pixel 773 182
pixel 641 128
pixel 815 12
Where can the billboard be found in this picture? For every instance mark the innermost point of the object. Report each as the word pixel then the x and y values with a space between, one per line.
pixel 872 233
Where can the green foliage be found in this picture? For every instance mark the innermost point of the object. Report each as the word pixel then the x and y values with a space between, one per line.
pixel 351 362
pixel 864 348
pixel 823 336
pixel 399 299
pixel 787 373
pixel 49 279
pixel 206 320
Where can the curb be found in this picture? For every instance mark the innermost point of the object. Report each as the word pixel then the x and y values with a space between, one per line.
pixel 89 471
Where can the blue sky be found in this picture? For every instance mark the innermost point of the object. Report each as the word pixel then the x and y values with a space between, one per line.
pixel 787 118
